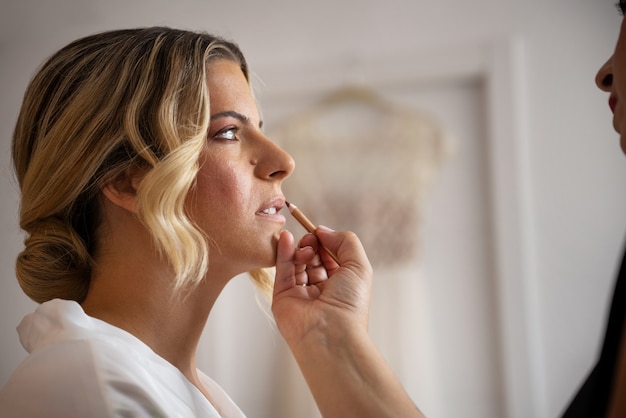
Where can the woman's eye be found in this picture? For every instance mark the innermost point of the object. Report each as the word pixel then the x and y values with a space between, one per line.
pixel 229 133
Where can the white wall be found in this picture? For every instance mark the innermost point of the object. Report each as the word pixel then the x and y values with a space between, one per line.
pixel 576 175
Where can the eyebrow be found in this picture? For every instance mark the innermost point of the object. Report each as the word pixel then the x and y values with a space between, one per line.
pixel 232 114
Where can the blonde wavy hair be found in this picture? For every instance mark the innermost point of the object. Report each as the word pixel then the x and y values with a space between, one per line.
pixel 105 104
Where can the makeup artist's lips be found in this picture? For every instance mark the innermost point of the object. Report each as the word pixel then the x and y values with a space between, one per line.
pixel 272 210
pixel 613 103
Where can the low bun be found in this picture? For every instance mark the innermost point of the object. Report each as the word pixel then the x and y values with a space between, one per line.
pixel 55 262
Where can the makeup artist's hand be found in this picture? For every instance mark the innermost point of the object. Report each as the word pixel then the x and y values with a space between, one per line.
pixel 313 292
pixel 324 324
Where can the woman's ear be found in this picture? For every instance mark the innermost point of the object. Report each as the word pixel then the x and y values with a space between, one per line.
pixel 122 190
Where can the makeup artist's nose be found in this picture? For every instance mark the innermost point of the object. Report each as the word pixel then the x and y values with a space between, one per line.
pixel 604 78
pixel 273 162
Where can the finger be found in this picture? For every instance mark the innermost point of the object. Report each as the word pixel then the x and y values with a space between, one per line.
pixel 347 247
pixel 314 262
pixel 313 241
pixel 304 255
pixel 301 258
pixel 308 267
pixel 285 267
pixel 316 275
pixel 309 240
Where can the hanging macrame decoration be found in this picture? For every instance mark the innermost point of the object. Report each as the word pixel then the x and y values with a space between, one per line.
pixel 363 164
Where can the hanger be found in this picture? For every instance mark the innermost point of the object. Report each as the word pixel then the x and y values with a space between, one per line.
pixel 354 94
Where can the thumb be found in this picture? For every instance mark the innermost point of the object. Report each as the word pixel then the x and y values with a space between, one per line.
pixel 346 245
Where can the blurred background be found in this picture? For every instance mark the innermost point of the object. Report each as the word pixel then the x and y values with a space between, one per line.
pixel 516 223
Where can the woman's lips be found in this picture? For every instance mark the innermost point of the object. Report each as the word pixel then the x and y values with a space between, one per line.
pixel 612 103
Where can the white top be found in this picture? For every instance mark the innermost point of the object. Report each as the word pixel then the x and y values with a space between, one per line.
pixel 80 366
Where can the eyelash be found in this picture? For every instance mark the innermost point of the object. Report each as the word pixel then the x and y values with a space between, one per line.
pixel 621 7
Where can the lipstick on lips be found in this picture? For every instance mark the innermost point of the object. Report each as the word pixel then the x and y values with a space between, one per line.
pixel 308 225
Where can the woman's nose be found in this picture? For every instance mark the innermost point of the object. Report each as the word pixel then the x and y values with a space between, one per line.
pixel 286 165
pixel 274 162
pixel 604 78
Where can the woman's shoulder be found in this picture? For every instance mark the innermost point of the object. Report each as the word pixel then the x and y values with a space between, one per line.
pixel 78 365
pixel 59 380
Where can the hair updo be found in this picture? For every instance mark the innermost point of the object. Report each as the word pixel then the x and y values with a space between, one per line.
pixel 135 98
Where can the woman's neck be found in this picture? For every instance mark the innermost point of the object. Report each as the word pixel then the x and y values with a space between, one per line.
pixel 132 288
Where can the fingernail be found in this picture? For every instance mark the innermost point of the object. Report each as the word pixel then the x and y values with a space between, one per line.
pixel 325 228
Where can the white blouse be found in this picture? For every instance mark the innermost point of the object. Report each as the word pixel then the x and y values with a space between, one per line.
pixel 80 366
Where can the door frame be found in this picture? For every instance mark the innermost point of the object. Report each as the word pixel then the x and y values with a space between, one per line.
pixel 500 64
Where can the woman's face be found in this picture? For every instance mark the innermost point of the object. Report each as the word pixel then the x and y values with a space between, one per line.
pixel 612 78
pixel 238 194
